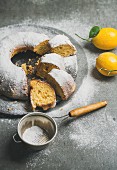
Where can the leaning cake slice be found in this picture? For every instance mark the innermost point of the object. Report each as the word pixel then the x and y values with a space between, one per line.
pixel 61 45
pixel 42 95
pixel 62 82
pixel 48 62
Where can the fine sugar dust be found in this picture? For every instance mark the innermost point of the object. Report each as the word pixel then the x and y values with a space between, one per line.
pixel 33 135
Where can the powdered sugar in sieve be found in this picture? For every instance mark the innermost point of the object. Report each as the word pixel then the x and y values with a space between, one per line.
pixel 35 135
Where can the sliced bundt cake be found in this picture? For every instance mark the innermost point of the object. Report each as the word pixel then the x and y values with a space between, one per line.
pixel 61 45
pixel 48 62
pixel 13 80
pixel 62 82
pixel 39 43
pixel 42 95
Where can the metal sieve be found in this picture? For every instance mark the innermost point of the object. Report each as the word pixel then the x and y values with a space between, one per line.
pixel 37 130
pixel 42 129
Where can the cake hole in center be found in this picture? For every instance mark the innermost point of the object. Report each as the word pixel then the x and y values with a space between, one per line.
pixel 28 61
pixel 28 57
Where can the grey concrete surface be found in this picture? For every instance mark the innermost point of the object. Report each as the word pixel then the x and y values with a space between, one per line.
pixel 87 143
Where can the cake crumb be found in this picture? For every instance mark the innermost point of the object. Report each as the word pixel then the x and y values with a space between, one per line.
pixel 27 68
pixel 37 63
pixel 10 108
pixel 24 68
pixel 33 78
pixel 16 64
pixel 30 69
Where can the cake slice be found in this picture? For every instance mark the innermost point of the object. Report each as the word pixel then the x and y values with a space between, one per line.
pixel 48 62
pixel 43 46
pixel 62 82
pixel 42 95
pixel 61 45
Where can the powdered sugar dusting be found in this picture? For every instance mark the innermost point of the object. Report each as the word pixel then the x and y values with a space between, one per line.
pixel 87 136
pixel 65 81
pixel 54 59
pixel 36 2
pixel 60 40
pixel 33 135
pixel 9 123
pixel 34 160
pixel 87 90
pixel 11 73
pixel 20 39
pixel 71 65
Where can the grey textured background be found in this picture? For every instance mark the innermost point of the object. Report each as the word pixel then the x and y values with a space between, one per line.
pixel 88 143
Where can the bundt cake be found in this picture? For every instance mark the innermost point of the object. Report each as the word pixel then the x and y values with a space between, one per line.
pixel 62 82
pixel 48 62
pixel 42 95
pixel 71 65
pixel 59 68
pixel 13 80
pixel 61 45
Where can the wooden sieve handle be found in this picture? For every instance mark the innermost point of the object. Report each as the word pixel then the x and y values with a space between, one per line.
pixel 86 109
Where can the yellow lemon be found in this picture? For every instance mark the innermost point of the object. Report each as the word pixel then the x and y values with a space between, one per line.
pixel 106 64
pixel 106 39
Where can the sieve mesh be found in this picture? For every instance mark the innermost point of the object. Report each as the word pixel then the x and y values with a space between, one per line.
pixel 35 135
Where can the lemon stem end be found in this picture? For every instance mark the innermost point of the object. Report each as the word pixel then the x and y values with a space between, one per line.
pixel 88 40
